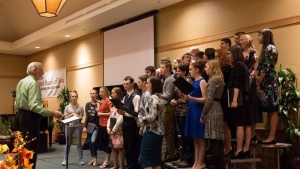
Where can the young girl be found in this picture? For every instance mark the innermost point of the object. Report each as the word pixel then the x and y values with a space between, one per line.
pixel 91 117
pixel 212 114
pixel 103 113
pixel 267 82
pixel 116 132
pixel 74 109
pixel 250 58
pixel 193 127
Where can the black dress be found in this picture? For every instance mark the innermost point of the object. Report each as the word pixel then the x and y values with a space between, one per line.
pixel 239 78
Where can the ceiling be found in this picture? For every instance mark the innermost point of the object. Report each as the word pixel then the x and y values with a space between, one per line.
pixel 22 29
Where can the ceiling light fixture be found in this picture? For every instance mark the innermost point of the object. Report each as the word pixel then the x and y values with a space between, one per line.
pixel 48 8
pixel 67 36
pixel 37 47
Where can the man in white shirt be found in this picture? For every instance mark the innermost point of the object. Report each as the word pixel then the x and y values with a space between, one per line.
pixel 129 127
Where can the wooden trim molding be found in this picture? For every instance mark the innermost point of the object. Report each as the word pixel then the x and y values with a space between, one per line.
pixel 251 29
pixel 84 66
pixel 12 76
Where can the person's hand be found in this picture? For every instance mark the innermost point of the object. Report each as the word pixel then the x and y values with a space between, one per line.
pixel 84 129
pixel 57 114
pixel 141 132
pixel 257 88
pixel 173 102
pixel 187 97
pixel 121 112
pixel 234 104
pixel 258 79
pixel 202 120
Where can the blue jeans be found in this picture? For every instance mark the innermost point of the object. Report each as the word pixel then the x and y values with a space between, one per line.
pixel 93 139
pixel 187 153
pixel 69 133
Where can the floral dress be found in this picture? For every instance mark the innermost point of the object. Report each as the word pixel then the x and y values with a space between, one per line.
pixel 268 93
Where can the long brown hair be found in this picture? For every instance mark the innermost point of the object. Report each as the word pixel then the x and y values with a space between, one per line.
pixel 119 92
pixel 223 59
pixel 215 70
pixel 267 40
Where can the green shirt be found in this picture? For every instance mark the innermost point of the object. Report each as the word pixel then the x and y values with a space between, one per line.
pixel 28 96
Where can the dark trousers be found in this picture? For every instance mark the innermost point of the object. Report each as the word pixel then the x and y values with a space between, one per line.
pixel 187 152
pixel 131 143
pixel 29 123
pixel 217 153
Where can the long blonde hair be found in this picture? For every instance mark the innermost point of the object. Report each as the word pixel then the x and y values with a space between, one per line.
pixel 215 70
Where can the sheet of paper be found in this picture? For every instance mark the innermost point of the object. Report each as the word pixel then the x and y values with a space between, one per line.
pixel 68 120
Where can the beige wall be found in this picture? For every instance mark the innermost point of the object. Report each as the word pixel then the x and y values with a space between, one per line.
pixel 83 59
pixel 200 19
pixel 12 69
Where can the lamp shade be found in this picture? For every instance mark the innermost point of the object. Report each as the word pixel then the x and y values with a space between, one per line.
pixel 48 8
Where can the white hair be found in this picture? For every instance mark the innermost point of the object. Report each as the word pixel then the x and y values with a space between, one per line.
pixel 194 48
pixel 32 67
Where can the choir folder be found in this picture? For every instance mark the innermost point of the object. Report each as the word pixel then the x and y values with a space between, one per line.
pixel 184 86
pixel 120 105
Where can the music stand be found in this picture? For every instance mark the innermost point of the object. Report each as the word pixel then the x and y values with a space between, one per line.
pixel 66 123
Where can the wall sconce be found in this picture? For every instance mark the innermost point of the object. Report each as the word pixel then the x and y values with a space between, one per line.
pixel 48 8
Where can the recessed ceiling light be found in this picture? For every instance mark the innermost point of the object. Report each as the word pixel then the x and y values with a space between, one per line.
pixel 67 36
pixel 37 47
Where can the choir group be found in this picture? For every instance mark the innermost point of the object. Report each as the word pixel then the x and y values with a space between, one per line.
pixel 233 85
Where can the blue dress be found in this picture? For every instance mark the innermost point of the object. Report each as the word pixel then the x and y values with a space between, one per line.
pixel 193 127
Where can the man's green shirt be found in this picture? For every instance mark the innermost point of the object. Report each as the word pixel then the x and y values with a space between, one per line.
pixel 28 96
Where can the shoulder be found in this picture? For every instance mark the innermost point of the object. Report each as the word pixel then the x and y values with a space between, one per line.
pixel 271 48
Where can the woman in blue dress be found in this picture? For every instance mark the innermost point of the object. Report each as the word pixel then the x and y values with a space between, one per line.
pixel 196 100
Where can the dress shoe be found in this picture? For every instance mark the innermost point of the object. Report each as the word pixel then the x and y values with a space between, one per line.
pixel 254 139
pixel 175 162
pixel 239 155
pixel 184 164
pixel 247 154
pixel 170 159
pixel 230 153
pixel 270 142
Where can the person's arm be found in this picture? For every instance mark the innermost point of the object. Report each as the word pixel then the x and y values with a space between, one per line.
pixel 237 83
pixel 168 93
pixel 118 124
pixel 35 103
pixel 203 91
pixel 213 84
pixel 87 117
pixel 152 114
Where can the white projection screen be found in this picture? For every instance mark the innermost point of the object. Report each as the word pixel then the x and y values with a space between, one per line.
pixel 128 49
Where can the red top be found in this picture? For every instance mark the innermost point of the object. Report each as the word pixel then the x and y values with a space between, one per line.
pixel 104 108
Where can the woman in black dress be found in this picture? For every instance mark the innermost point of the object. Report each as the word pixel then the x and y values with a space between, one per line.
pixel 239 83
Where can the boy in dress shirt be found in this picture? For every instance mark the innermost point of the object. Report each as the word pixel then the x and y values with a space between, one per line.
pixel 129 127
pixel 169 110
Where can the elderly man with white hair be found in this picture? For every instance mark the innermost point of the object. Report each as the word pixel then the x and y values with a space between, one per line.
pixel 193 51
pixel 30 107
